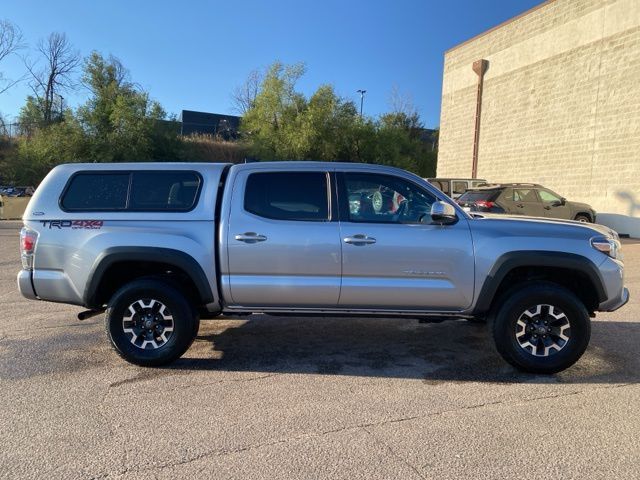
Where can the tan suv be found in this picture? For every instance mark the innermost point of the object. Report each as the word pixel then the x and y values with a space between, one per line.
pixel 454 187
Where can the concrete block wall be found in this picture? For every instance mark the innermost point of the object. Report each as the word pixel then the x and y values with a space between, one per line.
pixel 561 105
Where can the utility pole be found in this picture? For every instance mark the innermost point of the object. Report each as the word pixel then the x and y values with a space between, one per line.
pixel 361 92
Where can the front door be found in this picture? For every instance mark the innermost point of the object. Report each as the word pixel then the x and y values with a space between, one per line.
pixel 553 205
pixel 393 256
pixel 283 247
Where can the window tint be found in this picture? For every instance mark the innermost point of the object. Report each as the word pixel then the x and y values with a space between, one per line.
pixel 507 195
pixel 547 196
pixel 150 191
pixel 163 190
pixel 97 191
pixel 475 195
pixel 459 187
pixel 288 195
pixel 524 195
pixel 387 199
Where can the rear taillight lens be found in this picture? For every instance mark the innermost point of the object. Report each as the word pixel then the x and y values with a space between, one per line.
pixel 28 239
pixel 484 204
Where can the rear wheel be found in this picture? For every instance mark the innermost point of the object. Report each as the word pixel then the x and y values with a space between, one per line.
pixel 583 218
pixel 150 323
pixel 542 328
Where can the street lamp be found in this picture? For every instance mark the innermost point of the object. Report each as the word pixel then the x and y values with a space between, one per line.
pixel 361 92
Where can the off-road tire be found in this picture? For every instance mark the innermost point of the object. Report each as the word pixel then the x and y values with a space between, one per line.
pixel 518 305
pixel 185 322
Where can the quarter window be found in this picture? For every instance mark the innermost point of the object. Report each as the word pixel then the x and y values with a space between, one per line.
pixel 298 196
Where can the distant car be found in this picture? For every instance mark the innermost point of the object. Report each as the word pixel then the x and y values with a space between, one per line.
pixel 454 187
pixel 17 191
pixel 524 199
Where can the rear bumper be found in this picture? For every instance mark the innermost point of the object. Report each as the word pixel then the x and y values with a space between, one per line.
pixel 25 285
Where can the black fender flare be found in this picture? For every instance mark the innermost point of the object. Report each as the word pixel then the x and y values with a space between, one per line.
pixel 177 258
pixel 533 258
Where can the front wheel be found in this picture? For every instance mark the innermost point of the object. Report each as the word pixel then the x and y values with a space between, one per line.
pixel 541 328
pixel 583 218
pixel 150 323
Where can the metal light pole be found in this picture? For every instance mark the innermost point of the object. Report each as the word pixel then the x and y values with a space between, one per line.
pixel 361 92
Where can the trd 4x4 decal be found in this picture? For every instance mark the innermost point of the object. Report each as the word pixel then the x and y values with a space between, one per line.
pixel 74 224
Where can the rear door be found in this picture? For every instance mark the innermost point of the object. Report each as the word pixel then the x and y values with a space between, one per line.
pixel 527 202
pixel 283 243
pixel 394 257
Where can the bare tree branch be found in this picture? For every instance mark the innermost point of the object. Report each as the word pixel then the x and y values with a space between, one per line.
pixel 244 96
pixel 60 63
pixel 10 42
pixel 400 102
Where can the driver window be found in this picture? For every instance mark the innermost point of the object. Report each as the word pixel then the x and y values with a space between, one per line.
pixel 378 198
pixel 548 197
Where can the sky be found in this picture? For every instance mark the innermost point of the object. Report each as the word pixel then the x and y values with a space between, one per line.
pixel 192 54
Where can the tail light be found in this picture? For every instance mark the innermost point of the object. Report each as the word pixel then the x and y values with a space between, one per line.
pixel 28 239
pixel 484 204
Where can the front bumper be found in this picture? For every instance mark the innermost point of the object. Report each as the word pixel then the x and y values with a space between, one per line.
pixel 615 303
pixel 25 285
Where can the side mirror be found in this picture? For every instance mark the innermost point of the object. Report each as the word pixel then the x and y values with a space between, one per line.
pixel 442 212
pixel 563 201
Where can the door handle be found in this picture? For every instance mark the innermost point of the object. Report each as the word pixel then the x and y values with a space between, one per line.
pixel 547 207
pixel 250 237
pixel 519 205
pixel 359 239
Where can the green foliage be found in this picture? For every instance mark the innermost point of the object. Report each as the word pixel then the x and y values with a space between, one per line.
pixel 62 142
pixel 119 122
pixel 284 125
pixel 122 122
pixel 31 116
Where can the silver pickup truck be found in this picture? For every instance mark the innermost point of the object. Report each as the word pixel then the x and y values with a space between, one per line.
pixel 161 245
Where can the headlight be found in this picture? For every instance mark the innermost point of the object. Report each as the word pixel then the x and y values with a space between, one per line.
pixel 608 246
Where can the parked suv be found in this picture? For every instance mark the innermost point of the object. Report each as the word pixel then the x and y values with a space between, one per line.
pixel 160 245
pixel 525 199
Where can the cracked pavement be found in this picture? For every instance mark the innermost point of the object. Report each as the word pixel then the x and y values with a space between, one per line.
pixel 285 397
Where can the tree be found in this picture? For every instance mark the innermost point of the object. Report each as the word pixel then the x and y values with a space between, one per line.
pixel 275 113
pixel 10 43
pixel 244 96
pixel 121 120
pixel 30 118
pixel 61 62
pixel 284 125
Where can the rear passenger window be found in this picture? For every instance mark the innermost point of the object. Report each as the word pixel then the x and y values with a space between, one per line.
pixel 97 191
pixel 141 190
pixel 288 195
pixel 524 195
pixel 163 190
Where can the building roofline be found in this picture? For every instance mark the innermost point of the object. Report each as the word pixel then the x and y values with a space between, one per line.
pixel 506 22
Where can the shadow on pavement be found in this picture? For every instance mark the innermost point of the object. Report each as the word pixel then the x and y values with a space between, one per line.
pixel 454 351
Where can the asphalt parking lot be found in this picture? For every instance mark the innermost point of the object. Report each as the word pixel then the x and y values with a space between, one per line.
pixel 274 397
